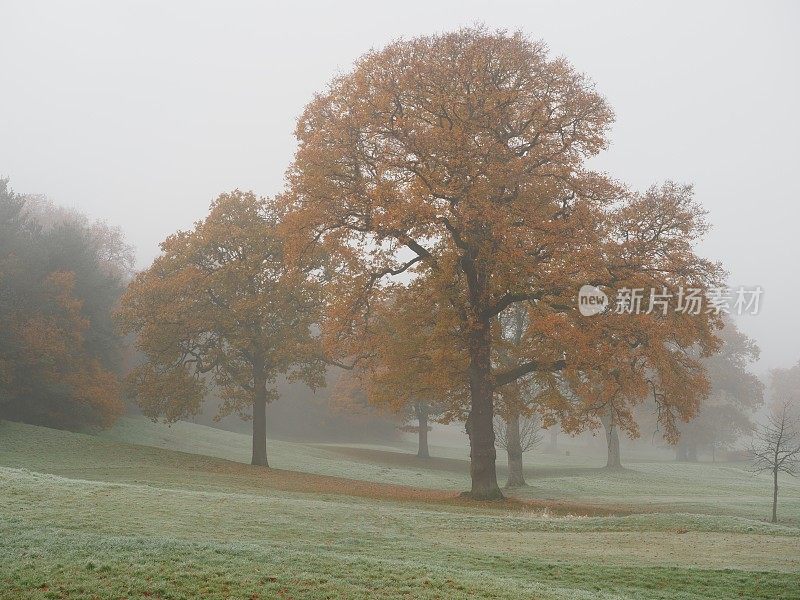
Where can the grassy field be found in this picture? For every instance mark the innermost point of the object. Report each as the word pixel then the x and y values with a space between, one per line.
pixel 149 511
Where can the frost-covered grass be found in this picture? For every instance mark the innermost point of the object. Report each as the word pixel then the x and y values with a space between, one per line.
pixel 681 487
pixel 320 459
pixel 651 486
pixel 94 517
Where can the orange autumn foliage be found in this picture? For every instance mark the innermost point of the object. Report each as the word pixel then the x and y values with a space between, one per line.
pixel 220 307
pixel 52 365
pixel 448 173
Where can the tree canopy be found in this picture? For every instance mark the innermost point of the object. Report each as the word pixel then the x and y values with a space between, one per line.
pixel 734 395
pixel 219 306
pixel 450 171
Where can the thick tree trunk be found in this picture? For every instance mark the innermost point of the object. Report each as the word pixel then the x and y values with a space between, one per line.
pixel 259 417
pixel 516 478
pixel 422 420
pixel 614 460
pixel 775 496
pixel 480 426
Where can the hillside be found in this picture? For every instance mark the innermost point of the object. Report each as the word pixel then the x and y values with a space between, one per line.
pixel 85 516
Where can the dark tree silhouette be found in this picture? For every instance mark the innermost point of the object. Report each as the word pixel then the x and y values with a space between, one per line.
pixel 776 448
pixel 517 434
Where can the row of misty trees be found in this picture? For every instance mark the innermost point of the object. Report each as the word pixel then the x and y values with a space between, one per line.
pixel 63 360
pixel 223 308
pixel 62 276
pixel 438 219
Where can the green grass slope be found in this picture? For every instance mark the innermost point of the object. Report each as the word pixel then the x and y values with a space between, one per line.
pixel 96 517
pixel 645 486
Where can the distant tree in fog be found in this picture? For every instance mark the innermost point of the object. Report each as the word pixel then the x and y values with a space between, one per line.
pixel 517 434
pixel 734 395
pixel 221 306
pixel 60 277
pixel 776 448
pixel 400 375
pixel 785 388
pixel 517 426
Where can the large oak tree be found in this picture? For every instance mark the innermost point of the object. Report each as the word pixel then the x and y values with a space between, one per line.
pixel 455 166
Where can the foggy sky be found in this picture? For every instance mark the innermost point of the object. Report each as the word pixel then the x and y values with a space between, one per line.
pixel 140 113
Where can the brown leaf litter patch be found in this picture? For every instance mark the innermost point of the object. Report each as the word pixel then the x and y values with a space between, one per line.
pixel 295 481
